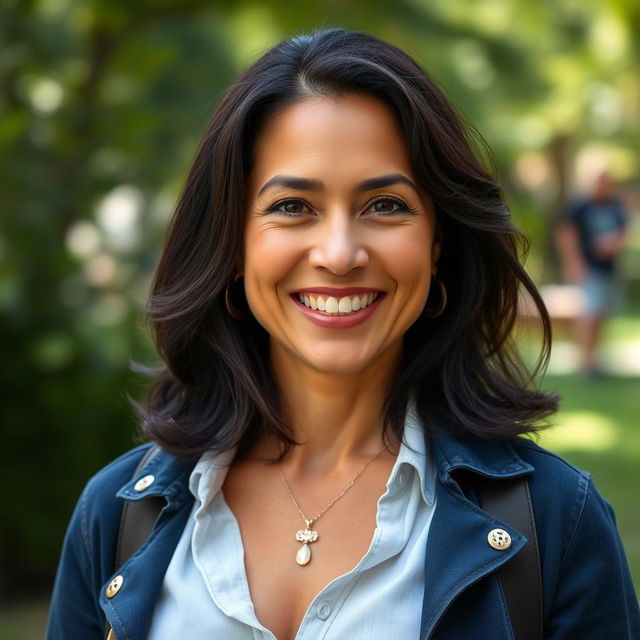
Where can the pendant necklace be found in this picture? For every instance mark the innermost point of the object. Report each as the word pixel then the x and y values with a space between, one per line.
pixel 308 535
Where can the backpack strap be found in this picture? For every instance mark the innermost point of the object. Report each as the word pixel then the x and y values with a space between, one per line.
pixel 521 578
pixel 138 517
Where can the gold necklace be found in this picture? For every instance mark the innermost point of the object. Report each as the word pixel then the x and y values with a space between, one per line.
pixel 308 535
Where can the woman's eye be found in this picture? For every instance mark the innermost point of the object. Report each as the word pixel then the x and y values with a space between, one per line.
pixel 386 206
pixel 289 207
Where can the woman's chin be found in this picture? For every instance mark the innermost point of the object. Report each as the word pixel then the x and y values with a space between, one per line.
pixel 348 362
pixel 339 368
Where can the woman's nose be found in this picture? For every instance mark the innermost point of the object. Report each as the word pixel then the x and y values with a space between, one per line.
pixel 338 247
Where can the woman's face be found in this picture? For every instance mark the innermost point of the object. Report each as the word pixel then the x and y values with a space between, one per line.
pixel 339 241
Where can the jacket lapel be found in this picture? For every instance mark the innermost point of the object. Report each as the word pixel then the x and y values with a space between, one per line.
pixel 458 553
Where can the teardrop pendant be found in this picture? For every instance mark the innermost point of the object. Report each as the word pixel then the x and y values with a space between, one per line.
pixel 305 536
pixel 304 555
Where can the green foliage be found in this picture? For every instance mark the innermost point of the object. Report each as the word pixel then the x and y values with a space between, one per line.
pixel 101 107
pixel 101 98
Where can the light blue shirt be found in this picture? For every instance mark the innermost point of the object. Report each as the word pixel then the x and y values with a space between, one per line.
pixel 205 593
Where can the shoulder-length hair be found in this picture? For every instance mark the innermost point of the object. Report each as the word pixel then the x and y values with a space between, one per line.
pixel 216 390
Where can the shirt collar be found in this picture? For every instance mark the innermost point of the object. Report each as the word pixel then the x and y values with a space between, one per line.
pixel 210 471
pixel 414 453
pixel 443 453
pixel 208 475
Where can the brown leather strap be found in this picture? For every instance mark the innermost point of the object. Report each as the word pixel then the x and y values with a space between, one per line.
pixel 138 518
pixel 510 502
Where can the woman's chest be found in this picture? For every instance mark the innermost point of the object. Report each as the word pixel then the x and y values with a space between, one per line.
pixel 271 530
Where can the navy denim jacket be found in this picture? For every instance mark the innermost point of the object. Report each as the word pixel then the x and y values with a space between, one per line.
pixel 587 590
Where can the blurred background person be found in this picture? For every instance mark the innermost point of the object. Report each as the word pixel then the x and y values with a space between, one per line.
pixel 589 238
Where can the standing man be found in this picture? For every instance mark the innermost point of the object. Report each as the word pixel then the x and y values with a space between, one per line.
pixel 589 238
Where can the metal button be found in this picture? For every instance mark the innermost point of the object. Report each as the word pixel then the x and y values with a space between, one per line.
pixel 324 610
pixel 112 635
pixel 144 483
pixel 114 586
pixel 499 539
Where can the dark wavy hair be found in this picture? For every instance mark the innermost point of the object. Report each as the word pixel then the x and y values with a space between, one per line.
pixel 216 390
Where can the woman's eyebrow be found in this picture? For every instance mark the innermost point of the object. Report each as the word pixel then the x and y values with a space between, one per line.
pixel 386 181
pixel 308 184
pixel 292 182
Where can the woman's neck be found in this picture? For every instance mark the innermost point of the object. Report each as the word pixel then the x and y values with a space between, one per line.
pixel 334 417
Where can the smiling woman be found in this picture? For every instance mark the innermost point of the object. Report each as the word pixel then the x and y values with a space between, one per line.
pixel 334 307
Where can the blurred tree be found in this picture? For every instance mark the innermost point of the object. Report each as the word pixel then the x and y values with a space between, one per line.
pixel 102 103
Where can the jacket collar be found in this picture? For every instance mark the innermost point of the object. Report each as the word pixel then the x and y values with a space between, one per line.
pixel 169 479
pixel 490 459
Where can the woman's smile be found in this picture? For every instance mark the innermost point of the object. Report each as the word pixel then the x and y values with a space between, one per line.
pixel 336 309
pixel 338 302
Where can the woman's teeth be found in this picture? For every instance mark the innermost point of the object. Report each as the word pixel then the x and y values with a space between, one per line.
pixel 337 306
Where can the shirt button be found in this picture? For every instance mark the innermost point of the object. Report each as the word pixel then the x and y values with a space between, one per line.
pixel 114 586
pixel 144 483
pixel 401 479
pixel 324 610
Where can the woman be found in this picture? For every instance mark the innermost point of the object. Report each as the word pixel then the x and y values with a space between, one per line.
pixel 334 305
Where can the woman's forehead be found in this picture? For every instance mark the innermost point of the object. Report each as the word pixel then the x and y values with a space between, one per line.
pixel 342 136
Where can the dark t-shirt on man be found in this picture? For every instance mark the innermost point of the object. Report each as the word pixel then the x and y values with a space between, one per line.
pixel 594 220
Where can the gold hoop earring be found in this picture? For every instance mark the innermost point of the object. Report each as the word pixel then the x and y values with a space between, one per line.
pixel 436 312
pixel 231 310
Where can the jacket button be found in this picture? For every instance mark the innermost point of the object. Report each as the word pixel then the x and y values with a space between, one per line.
pixel 144 483
pixel 112 635
pixel 114 586
pixel 499 539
